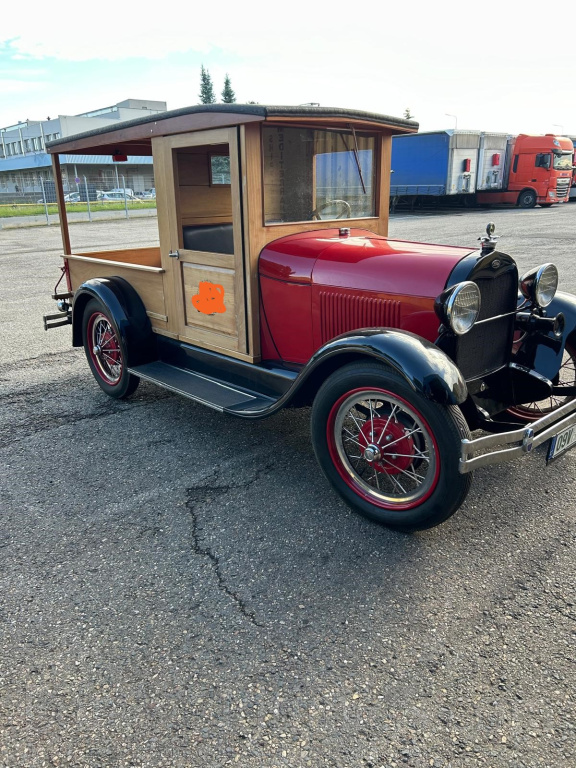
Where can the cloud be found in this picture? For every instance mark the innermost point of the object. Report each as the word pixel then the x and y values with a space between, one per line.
pixel 10 86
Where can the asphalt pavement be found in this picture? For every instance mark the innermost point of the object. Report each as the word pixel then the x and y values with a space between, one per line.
pixel 181 589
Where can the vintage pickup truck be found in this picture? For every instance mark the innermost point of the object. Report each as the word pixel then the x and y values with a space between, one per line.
pixel 275 285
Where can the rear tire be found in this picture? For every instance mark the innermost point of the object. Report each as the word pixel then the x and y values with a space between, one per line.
pixel 392 454
pixel 105 351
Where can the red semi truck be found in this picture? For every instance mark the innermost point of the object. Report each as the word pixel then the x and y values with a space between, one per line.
pixel 481 167
pixel 537 170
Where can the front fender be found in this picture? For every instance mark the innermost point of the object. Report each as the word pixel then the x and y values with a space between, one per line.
pixel 127 310
pixel 427 369
pixel 547 352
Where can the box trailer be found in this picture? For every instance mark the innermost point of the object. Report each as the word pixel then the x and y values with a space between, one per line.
pixel 435 164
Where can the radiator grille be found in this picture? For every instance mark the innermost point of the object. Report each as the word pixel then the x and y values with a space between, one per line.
pixel 342 312
pixel 487 346
pixel 562 187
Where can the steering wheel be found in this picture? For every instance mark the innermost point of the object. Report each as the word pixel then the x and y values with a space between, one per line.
pixel 343 212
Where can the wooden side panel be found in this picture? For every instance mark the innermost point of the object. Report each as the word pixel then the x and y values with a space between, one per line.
pixel 209 294
pixel 147 257
pixel 148 285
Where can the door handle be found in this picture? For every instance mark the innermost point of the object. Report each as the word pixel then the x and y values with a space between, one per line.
pixel 174 255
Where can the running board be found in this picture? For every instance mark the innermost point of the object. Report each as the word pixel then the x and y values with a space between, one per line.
pixel 203 389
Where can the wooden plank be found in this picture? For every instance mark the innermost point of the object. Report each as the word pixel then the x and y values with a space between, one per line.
pixel 148 284
pixel 197 221
pixel 206 201
pixel 61 204
pixel 167 229
pixel 239 277
pixel 222 260
pixel 252 213
pixel 382 184
pixel 111 263
pixel 148 258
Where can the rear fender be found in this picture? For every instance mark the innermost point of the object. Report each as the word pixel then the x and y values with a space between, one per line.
pixel 426 369
pixel 126 309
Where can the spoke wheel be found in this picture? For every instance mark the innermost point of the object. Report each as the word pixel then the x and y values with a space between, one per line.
pixel 104 347
pixel 391 453
pixel 566 378
pixel 383 448
pixel 105 351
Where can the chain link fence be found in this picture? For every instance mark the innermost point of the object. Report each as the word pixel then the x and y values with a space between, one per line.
pixel 99 193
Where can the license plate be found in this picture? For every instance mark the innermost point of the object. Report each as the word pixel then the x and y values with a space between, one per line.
pixel 561 442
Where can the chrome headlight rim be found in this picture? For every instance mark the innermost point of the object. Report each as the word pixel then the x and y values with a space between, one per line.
pixel 452 306
pixel 540 284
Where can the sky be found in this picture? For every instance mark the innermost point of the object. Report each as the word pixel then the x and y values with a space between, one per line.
pixel 453 64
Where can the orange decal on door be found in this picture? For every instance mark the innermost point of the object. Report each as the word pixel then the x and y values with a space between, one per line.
pixel 210 298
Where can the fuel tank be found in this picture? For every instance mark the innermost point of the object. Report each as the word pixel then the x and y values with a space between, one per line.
pixel 317 285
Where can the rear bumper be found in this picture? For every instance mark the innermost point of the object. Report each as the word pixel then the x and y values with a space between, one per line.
pixel 479 452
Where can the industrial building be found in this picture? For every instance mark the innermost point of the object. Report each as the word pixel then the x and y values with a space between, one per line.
pixel 25 165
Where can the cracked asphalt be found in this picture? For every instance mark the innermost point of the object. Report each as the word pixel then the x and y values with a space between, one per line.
pixel 180 589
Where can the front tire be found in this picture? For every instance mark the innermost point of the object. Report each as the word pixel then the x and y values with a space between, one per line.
pixel 527 198
pixel 389 452
pixel 105 351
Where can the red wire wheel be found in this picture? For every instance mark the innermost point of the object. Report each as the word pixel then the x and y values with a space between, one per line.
pixel 389 451
pixel 383 448
pixel 105 351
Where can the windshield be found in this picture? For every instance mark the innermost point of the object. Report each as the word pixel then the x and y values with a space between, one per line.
pixel 563 162
pixel 314 174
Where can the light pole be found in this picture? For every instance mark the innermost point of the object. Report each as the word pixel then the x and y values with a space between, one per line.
pixel 455 120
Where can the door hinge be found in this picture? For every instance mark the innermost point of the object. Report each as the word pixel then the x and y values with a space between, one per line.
pixel 174 255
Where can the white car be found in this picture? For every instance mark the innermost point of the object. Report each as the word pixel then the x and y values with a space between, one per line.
pixel 116 196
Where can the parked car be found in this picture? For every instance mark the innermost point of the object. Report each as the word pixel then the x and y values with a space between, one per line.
pixel 72 197
pixel 118 196
pixel 147 194
pixel 281 288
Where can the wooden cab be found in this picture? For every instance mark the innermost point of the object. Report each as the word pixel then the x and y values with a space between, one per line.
pixel 229 180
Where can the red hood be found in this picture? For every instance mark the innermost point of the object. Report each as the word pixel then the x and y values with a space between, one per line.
pixel 361 260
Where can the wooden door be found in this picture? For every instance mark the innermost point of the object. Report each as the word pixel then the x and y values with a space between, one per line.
pixel 199 216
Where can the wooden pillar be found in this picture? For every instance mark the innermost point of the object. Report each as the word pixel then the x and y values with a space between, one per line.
pixel 61 204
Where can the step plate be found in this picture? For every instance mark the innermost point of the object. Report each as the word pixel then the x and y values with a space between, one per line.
pixel 204 390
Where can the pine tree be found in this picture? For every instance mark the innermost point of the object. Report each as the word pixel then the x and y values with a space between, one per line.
pixel 206 87
pixel 228 95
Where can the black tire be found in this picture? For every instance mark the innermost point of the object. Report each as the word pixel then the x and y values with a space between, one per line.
pixel 105 351
pixel 358 414
pixel 527 198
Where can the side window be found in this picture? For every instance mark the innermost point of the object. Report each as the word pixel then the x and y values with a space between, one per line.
pixel 543 160
pixel 515 164
pixel 219 170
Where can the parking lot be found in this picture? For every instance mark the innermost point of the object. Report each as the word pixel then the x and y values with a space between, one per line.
pixel 181 589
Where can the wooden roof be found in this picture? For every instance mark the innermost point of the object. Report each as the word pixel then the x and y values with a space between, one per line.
pixel 134 137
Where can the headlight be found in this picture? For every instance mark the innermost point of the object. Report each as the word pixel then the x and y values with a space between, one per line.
pixel 540 284
pixel 459 306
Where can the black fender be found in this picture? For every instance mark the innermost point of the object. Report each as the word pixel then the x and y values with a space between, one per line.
pixel 543 351
pixel 127 310
pixel 425 368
